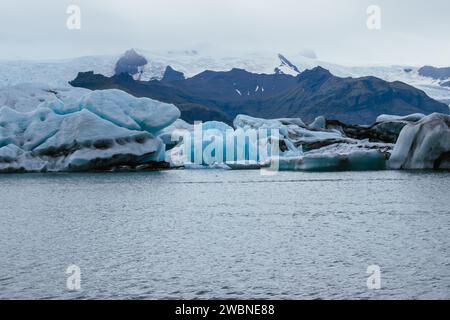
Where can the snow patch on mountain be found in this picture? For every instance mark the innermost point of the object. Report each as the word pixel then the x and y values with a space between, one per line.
pixel 193 62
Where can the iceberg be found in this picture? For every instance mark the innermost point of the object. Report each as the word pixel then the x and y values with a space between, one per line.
pixel 424 144
pixel 101 130
pixel 409 118
pixel 288 144
pixel 319 123
pixel 25 97
pixel 339 157
pixel 215 143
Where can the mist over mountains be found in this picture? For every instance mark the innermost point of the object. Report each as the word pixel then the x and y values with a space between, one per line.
pixel 222 95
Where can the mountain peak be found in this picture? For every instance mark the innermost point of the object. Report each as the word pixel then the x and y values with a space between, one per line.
pixel 172 75
pixel 130 62
pixel 286 66
pixel 316 76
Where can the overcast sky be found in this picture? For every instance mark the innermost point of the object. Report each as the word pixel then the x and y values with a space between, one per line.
pixel 412 31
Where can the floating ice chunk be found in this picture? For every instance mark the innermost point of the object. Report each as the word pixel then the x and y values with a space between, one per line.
pixel 423 145
pixel 294 146
pixel 339 157
pixel 319 123
pixel 247 122
pixel 50 138
pixel 409 118
pixel 173 134
pixel 213 143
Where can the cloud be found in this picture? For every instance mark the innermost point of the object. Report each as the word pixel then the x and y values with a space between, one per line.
pixel 413 31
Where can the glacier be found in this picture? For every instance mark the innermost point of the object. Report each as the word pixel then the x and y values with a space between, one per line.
pixel 192 62
pixel 102 130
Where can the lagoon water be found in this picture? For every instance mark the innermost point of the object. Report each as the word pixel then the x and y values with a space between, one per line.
pixel 206 234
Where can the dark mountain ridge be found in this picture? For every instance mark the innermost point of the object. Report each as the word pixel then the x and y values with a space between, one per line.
pixel 221 96
pixel 129 63
pixel 435 73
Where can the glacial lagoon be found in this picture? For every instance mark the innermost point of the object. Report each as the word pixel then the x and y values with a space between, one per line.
pixel 202 234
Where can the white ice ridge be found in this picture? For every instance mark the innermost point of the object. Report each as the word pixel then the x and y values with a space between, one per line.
pixel 101 130
pixel 25 97
pixel 423 145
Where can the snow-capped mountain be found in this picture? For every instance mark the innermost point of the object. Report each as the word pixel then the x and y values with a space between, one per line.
pixel 193 62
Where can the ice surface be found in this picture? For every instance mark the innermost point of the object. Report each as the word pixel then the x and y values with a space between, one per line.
pixel 339 157
pixel 170 134
pixel 423 145
pixel 319 123
pixel 100 130
pixel 410 118
pixel 26 97
pixel 289 142
pixel 215 143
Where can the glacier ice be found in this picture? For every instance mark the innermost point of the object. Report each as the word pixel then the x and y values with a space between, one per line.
pixel 409 118
pixel 215 143
pixel 288 142
pixel 100 130
pixel 339 157
pixel 319 123
pixel 423 145
pixel 25 97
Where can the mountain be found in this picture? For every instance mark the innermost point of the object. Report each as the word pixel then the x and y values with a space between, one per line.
pixel 221 96
pixel 351 100
pixel 435 73
pixel 192 108
pixel 131 63
pixel 192 62
pixel 172 75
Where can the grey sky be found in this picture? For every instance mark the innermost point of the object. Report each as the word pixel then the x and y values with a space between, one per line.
pixel 413 31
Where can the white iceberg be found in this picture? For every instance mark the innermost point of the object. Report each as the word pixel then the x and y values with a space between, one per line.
pixel 409 118
pixel 423 145
pixel 361 156
pixel 25 97
pixel 320 123
pixel 101 130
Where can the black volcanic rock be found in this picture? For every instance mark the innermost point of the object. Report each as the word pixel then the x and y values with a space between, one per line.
pixel 172 75
pixel 435 73
pixel 130 62
pixel 223 95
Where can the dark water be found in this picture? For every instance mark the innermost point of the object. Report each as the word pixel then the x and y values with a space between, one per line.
pixel 225 234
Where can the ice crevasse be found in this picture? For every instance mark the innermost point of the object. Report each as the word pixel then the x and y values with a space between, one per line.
pixel 101 130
